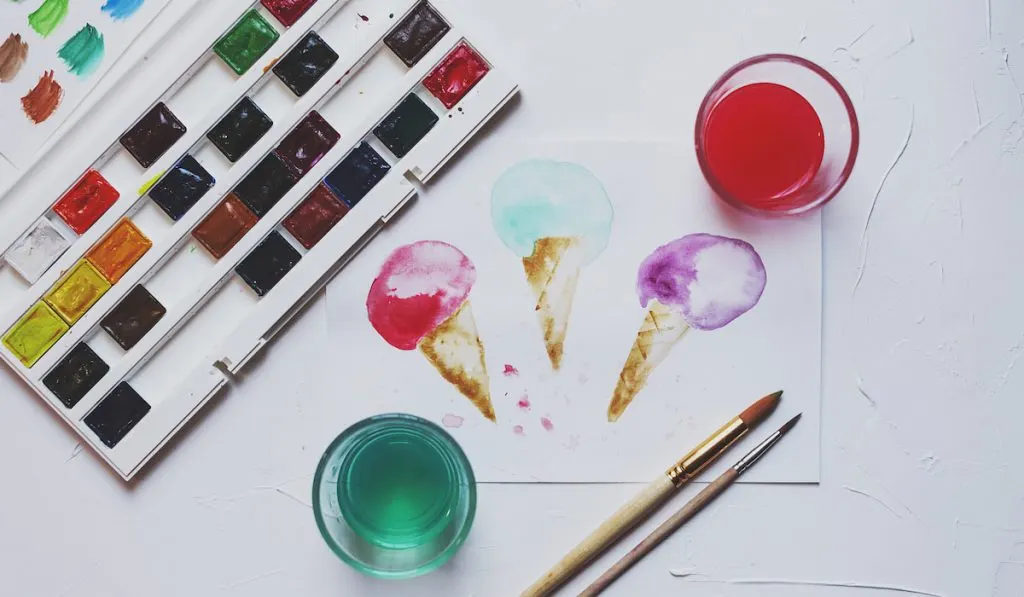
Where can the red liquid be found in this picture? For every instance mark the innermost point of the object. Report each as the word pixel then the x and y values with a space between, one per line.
pixel 763 142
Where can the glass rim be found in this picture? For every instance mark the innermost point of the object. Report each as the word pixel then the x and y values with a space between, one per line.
pixel 844 97
pixel 459 538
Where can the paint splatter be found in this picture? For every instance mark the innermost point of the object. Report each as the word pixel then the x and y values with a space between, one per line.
pixel 518 430
pixel 146 186
pixel 420 299
pixel 510 371
pixel 699 281
pixel 452 421
pixel 44 99
pixel 365 18
pixel 83 52
pixel 547 424
pixel 524 404
pixel 121 9
pixel 557 217
pixel 45 19
pixel 12 56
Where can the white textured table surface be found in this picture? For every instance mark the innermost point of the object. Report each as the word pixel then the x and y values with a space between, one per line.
pixel 922 484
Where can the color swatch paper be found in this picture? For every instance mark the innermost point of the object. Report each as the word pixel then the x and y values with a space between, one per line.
pixel 52 54
pixel 608 230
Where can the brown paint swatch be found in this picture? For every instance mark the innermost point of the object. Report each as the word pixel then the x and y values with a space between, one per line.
pixel 12 56
pixel 225 226
pixel 44 99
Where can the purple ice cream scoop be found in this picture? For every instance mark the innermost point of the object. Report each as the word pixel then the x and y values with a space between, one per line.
pixel 711 279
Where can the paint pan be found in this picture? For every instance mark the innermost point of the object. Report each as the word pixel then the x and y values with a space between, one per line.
pixel 182 187
pixel 251 184
pixel 240 129
pixel 246 42
pixel 307 144
pixel 133 317
pixel 288 11
pixel 456 75
pixel 36 251
pixel 75 375
pixel 34 334
pixel 117 414
pixel 225 226
pixel 265 185
pixel 86 202
pixel 119 250
pixel 357 174
pixel 77 292
pixel 268 264
pixel 406 125
pixel 302 67
pixel 315 217
pixel 153 135
pixel 418 32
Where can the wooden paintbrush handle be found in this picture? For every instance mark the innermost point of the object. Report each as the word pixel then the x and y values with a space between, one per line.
pixel 663 532
pixel 624 520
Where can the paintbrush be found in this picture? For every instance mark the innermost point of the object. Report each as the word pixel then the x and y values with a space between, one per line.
pixel 688 511
pixel 653 496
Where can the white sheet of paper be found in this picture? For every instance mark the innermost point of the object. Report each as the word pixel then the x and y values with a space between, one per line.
pixel 659 195
pixel 22 138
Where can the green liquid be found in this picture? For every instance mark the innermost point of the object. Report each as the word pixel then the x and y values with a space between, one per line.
pixel 398 489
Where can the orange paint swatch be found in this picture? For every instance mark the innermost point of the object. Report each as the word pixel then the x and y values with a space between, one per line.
pixel 77 292
pixel 43 99
pixel 119 250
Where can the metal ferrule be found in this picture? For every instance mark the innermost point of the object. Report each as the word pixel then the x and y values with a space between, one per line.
pixel 757 453
pixel 697 460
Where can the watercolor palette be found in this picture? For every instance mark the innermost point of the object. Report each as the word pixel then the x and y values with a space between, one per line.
pixel 135 292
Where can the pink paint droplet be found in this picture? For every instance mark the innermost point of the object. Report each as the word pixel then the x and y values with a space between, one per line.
pixel 518 430
pixel 524 403
pixel 452 421
pixel 510 371
pixel 547 424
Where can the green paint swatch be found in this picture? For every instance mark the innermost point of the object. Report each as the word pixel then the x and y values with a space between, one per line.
pixel 249 39
pixel 49 16
pixel 83 52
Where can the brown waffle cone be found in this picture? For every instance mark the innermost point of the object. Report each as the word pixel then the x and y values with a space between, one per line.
pixel 662 328
pixel 455 350
pixel 552 272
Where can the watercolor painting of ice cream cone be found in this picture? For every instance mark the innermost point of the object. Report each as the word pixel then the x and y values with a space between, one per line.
pixel 698 282
pixel 557 217
pixel 420 300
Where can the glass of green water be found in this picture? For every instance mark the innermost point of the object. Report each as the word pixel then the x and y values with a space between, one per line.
pixel 394 496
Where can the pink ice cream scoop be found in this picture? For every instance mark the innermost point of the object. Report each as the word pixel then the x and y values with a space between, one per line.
pixel 419 286
pixel 420 300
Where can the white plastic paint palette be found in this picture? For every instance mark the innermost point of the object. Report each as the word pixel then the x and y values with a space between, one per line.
pixel 260 175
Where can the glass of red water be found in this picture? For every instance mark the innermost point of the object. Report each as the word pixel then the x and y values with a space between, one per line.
pixel 777 134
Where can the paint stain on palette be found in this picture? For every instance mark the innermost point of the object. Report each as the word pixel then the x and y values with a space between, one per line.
pixel 420 299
